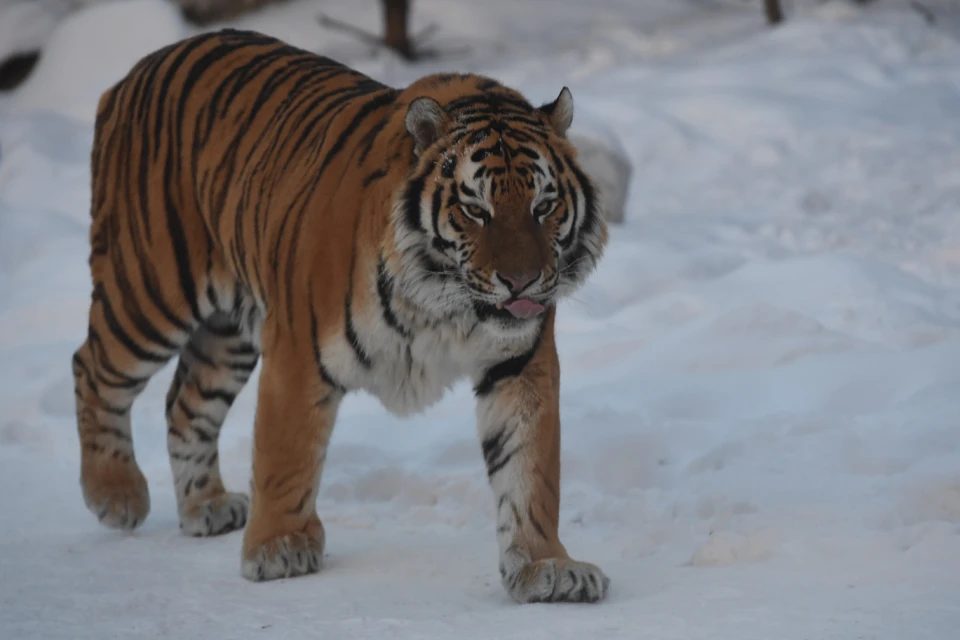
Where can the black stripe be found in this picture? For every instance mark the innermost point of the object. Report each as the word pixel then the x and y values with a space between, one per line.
pixel 242 367
pixel 212 295
pixel 305 192
pixel 202 435
pixel 78 362
pixel 115 432
pixel 385 293
pixel 175 66
pixel 194 351
pixel 126 382
pixel 411 204
pixel 152 288
pixel 480 154
pixel 209 395
pixel 105 366
pixel 197 69
pixel 490 102
pixel 567 241
pixel 371 137
pixel 147 330
pixel 449 166
pixel 509 368
pixel 113 410
pixel 344 95
pixel 373 177
pixel 440 243
pixel 493 451
pixel 300 504
pixel 589 196
pixel 590 221
pixel 194 414
pixel 494 467
pixel 243 349
pixel 378 102
pixel 530 153
pixel 179 376
pixel 124 338
pixel 223 330
pixel 315 339
pixel 492 447
pixel 351 332
pixel 178 239
pixel 536 523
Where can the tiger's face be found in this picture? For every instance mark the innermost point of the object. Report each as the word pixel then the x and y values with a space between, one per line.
pixel 499 218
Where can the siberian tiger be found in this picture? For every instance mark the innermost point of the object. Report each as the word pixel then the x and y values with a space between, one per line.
pixel 253 199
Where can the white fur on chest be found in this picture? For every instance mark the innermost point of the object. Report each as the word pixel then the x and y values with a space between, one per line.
pixel 410 373
pixel 411 368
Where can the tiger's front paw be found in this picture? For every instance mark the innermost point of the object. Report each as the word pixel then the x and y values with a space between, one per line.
pixel 115 490
pixel 552 580
pixel 285 555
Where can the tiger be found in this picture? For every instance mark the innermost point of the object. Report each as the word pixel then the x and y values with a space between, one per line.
pixel 257 204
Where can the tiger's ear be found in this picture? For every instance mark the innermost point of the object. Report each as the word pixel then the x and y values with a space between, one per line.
pixel 560 111
pixel 425 121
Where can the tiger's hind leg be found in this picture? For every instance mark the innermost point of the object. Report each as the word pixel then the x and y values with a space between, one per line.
pixel 213 368
pixel 122 351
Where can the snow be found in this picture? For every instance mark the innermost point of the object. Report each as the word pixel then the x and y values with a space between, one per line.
pixel 26 25
pixel 112 37
pixel 761 386
pixel 603 158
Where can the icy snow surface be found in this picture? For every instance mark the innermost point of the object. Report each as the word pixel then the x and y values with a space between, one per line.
pixel 761 384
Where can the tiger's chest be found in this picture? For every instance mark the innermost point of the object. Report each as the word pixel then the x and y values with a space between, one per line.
pixel 411 370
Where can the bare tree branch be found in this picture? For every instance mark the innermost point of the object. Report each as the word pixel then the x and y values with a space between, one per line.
pixel 396 32
pixel 360 34
pixel 774 11
pixel 924 11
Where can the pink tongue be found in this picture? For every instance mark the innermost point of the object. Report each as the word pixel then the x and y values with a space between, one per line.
pixel 524 308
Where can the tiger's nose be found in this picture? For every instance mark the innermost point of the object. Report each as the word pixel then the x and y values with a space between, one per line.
pixel 517 282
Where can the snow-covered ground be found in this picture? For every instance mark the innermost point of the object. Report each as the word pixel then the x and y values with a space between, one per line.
pixel 761 384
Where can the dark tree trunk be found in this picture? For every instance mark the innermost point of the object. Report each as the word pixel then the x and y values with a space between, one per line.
pixel 774 11
pixel 396 14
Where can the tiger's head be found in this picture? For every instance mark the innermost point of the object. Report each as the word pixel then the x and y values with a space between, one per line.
pixel 496 217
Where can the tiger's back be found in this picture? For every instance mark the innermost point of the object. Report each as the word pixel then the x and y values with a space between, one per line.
pixel 251 198
pixel 211 151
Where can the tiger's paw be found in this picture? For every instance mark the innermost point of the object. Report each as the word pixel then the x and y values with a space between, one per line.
pixel 552 580
pixel 285 556
pixel 116 492
pixel 215 515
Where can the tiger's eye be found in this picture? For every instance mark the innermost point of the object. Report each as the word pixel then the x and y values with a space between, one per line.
pixel 476 212
pixel 545 208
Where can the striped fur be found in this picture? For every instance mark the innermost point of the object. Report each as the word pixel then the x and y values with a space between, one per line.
pixel 253 202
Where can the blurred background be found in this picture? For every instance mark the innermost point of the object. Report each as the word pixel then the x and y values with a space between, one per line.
pixel 761 382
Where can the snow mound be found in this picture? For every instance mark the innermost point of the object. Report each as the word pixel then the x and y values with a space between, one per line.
pixel 604 159
pixel 25 25
pixel 113 36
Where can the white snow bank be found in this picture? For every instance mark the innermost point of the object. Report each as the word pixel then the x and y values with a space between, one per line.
pixel 25 25
pixel 90 50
